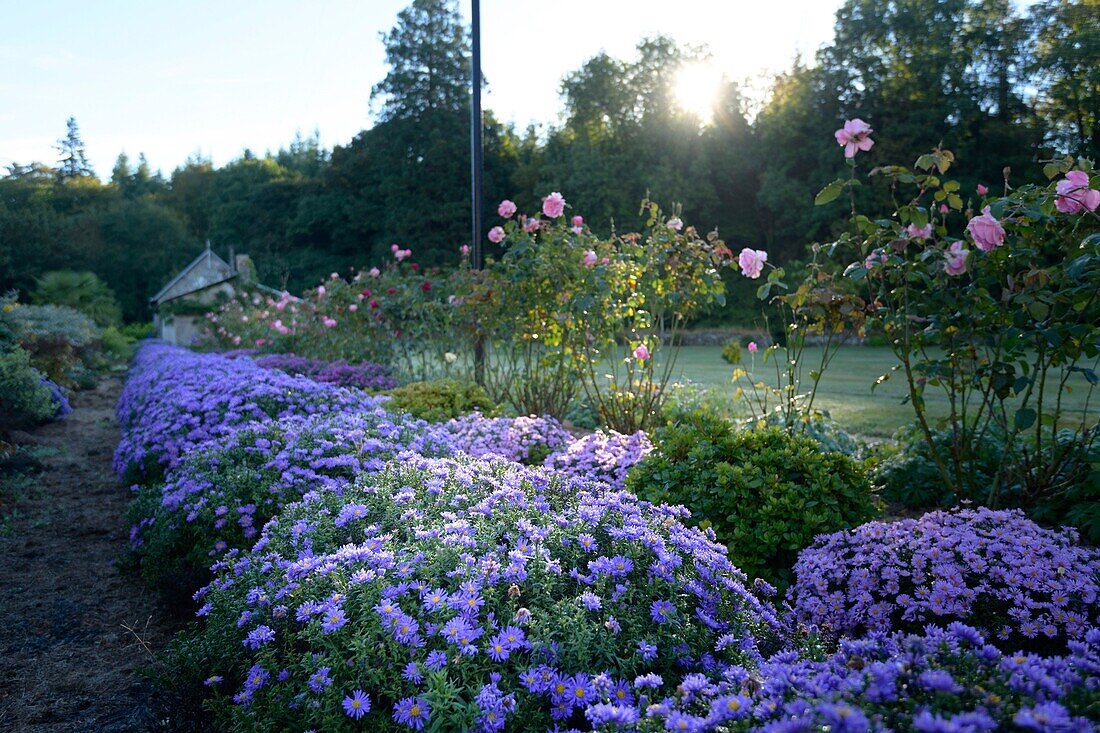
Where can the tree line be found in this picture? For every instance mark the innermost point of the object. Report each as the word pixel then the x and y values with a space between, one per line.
pixel 1003 89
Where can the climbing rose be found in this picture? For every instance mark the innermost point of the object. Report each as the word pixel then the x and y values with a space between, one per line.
pixel 854 136
pixel 916 232
pixel 986 231
pixel 641 353
pixel 589 258
pixel 506 208
pixel 1074 194
pixel 496 235
pixel 956 259
pixel 553 205
pixel 752 262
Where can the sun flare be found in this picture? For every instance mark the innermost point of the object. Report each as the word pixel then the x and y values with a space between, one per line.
pixel 696 89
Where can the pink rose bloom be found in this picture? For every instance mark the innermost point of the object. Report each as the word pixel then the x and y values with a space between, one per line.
pixel 916 232
pixel 236 340
pixel 605 261
pixel 394 248
pixel 374 272
pixel 752 262
pixel 590 259
pixel 641 353
pixel 854 136
pixel 496 235
pixel 986 231
pixel 506 208
pixel 874 259
pixel 531 225
pixel 1074 194
pixel 956 259
pixel 578 224
pixel 944 209
pixel 982 190
pixel 280 305
pixel 465 249
pixel 260 342
pixel 329 323
pixel 353 307
pixel 752 347
pixel 553 205
pixel 334 276
pixel 675 224
pixel 321 291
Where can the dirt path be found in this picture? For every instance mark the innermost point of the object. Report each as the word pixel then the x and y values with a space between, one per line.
pixel 67 659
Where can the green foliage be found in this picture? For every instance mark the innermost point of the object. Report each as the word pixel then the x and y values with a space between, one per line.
pixel 24 398
pixel 731 352
pixel 57 337
pixel 81 291
pixel 441 400
pixel 765 493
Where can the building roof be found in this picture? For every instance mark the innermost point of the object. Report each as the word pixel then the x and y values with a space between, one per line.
pixel 205 270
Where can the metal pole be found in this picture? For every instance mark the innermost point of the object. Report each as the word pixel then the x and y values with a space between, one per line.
pixel 476 169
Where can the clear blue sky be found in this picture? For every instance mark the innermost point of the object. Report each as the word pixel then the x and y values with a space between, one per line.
pixel 169 78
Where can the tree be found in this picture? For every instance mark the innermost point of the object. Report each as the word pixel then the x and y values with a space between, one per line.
pixel 1066 67
pixel 73 162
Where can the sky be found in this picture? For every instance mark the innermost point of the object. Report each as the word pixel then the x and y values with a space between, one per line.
pixel 175 78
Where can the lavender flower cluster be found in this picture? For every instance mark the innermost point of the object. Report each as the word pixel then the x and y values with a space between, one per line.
pixel 364 375
pixel 527 440
pixel 513 595
pixel 942 681
pixel 175 400
pixel 995 569
pixel 57 393
pixel 602 456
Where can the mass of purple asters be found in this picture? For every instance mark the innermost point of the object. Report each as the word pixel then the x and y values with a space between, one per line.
pixel 477 568
pixel 942 681
pixel 57 393
pixel 1021 584
pixel 602 456
pixel 527 440
pixel 364 375
pixel 174 400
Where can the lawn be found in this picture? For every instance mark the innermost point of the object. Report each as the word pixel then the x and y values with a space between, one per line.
pixel 845 390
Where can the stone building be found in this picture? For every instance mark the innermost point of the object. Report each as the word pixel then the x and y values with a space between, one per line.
pixel 179 309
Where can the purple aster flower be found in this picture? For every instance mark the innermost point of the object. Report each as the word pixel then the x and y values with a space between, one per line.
pixel 357 705
pixel 412 711
pixel 259 636
pixel 662 611
pixel 320 679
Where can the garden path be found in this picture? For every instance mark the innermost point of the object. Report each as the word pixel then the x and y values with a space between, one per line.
pixel 74 630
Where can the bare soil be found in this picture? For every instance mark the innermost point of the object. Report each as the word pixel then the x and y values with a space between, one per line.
pixel 75 632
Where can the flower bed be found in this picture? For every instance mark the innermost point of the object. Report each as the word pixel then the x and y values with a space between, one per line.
pixel 476 592
pixel 365 375
pixel 528 440
pixel 993 569
pixel 602 456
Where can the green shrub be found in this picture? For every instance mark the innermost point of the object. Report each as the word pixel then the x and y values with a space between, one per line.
pixel 731 352
pixel 441 400
pixel 765 493
pixel 81 291
pixel 56 337
pixel 24 397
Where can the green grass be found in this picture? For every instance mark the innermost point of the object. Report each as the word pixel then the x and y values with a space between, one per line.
pixel 845 390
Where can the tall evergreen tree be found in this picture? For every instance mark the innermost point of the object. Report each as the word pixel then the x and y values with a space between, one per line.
pixel 72 163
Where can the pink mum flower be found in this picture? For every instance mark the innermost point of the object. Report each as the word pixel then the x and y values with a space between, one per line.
pixel 496 235
pixel 854 136
pixel 641 353
pixel 553 205
pixel 506 209
pixel 956 259
pixel 1074 194
pixel 986 231
pixel 752 262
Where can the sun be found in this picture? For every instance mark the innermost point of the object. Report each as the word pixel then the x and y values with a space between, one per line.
pixel 696 88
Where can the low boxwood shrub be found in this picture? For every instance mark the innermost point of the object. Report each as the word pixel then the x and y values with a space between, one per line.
pixel 441 400
pixel 995 570
pixel 765 493
pixel 221 495
pixel 463 595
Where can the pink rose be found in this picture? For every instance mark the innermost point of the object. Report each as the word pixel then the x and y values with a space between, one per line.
pixel 752 262
pixel 982 190
pixel 1074 194
pixel 321 291
pixel 675 224
pixel 353 307
pixel 329 323
pixel 394 248
pixel 402 254
pixel 374 272
pixel 506 209
pixel 944 209
pixel 578 224
pixel 956 259
pixel 553 205
pixel 916 232
pixel 590 259
pixel 496 235
pixel 605 260
pixel 531 225
pixel 236 340
pixel 641 353
pixel 875 258
pixel 334 276
pixel 986 231
pixel 465 249
pixel 752 347
pixel 854 136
